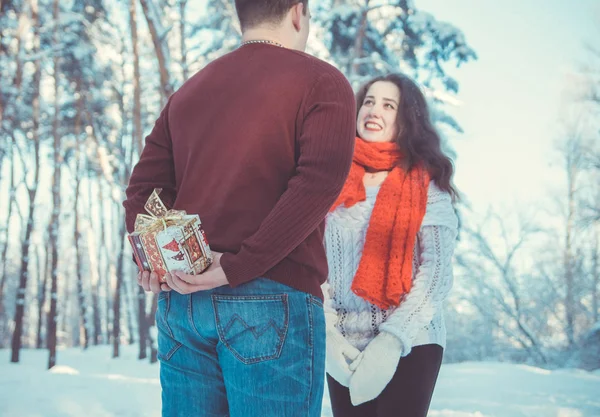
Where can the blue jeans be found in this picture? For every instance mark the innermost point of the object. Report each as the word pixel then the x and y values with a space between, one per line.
pixel 253 351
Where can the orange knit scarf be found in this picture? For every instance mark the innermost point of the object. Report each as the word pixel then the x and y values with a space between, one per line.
pixel 385 270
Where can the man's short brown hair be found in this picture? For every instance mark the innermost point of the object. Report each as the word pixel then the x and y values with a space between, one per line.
pixel 255 12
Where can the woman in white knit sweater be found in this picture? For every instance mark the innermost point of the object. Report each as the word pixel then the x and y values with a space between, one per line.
pixel 390 239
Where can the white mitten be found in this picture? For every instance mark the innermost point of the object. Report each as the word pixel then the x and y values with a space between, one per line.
pixel 374 369
pixel 340 353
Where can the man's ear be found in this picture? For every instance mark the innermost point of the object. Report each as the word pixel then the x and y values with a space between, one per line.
pixel 297 12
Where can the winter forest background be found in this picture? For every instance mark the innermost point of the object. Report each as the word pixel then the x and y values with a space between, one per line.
pixel 81 83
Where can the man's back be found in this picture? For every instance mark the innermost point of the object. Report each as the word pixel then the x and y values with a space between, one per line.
pixel 259 144
pixel 249 126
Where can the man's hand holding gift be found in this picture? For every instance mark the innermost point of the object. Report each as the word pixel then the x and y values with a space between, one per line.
pixel 182 283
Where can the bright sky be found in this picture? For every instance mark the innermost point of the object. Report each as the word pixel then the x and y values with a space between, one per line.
pixel 512 93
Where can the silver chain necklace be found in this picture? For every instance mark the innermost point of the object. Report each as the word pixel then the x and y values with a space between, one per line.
pixel 262 41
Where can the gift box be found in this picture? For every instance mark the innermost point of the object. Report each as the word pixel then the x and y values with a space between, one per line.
pixel 169 240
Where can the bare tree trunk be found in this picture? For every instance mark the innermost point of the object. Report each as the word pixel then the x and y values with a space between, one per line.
pixel 143 323
pixel 183 50
pixel 79 265
pixel 55 218
pixel 160 47
pixel 3 257
pixel 117 294
pixel 151 320
pixel 24 274
pixel 42 300
pixel 6 97
pixel 32 192
pixel 40 271
pixel 596 277
pixel 81 299
pixel 20 41
pixel 100 290
pixel 89 229
pixel 4 5
pixel 3 260
pixel 95 286
pixel 568 255
pixel 138 144
pixel 111 298
pixel 97 326
pixel 137 92
pixel 103 275
pixel 64 303
pixel 130 303
pixel 108 275
pixel 359 42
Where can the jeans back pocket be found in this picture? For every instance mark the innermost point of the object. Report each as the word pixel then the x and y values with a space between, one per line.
pixel 252 327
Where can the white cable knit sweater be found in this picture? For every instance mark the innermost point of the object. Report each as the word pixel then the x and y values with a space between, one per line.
pixel 418 320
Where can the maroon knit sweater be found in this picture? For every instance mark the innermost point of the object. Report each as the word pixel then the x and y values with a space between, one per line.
pixel 258 144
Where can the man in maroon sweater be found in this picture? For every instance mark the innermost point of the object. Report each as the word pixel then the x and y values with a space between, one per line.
pixel 259 144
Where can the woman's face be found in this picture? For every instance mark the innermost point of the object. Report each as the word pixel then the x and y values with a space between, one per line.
pixel 376 120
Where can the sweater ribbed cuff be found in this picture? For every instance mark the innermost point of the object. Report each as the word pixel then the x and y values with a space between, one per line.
pixel 238 270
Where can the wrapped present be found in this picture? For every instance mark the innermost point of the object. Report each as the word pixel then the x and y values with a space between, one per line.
pixel 169 240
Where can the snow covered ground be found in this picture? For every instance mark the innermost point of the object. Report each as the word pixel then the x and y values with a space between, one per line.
pixel 91 384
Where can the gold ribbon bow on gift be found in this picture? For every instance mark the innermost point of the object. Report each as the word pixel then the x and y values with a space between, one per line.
pixel 158 214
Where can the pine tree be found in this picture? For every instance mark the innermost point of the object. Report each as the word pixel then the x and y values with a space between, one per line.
pixel 368 38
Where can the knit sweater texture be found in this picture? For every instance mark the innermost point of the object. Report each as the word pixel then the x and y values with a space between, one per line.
pixel 258 144
pixel 418 320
